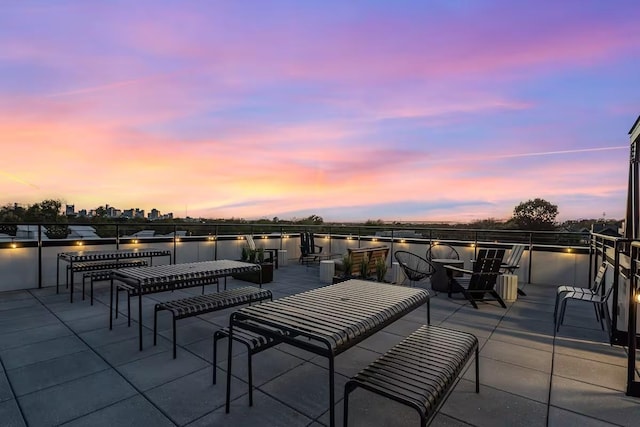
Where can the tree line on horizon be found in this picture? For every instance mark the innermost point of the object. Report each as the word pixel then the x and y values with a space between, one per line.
pixel 532 215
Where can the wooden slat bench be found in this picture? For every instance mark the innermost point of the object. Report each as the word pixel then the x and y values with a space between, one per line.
pixel 254 342
pixel 105 274
pixel 357 255
pixel 420 371
pixel 201 304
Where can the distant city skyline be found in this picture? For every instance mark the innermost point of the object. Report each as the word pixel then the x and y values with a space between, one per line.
pixel 401 111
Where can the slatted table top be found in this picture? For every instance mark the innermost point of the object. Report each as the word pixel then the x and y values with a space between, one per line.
pixel 80 256
pixel 335 317
pixel 186 271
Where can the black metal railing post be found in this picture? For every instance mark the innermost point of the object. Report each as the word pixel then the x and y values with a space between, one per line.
pixel 39 256
pixel 633 385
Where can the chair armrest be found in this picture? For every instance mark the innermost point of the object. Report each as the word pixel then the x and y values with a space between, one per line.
pixel 458 269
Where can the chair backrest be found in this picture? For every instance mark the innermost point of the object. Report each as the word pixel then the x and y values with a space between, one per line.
pixel 250 242
pixel 441 251
pixel 304 244
pixel 486 269
pixel 373 253
pixel 514 256
pixel 414 267
pixel 599 279
pixel 312 243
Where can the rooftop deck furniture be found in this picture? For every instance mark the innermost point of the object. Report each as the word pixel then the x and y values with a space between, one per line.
pixel 309 252
pixel 421 371
pixel 327 321
pixel 595 296
pixel 201 304
pixel 83 261
pixel 414 267
pixel 595 288
pixel 481 280
pixel 442 251
pixel 512 263
pixel 357 255
pixel 102 275
pixel 146 280
pixel 254 342
pixel 273 252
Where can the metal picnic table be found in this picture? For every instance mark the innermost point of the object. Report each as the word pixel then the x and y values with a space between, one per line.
pixel 327 321
pixel 161 278
pixel 102 257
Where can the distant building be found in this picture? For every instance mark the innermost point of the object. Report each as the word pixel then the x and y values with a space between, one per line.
pixel 154 214
pixel 70 210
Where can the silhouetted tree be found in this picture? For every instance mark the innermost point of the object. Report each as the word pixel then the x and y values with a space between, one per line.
pixel 536 214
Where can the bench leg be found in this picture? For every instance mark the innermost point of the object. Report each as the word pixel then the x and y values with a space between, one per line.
pixel 332 392
pixel 155 324
pixel 227 404
pixel 111 306
pixel 250 374
pixel 477 370
pixel 348 388
pixel 90 290
pixel 429 311
pixel 216 336
pixel 117 300
pixel 174 336
pixel 140 319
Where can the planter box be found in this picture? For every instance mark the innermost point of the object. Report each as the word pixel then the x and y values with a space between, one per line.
pixel 254 276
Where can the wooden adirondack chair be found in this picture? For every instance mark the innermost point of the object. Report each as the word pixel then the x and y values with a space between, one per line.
pixel 513 263
pixel 476 284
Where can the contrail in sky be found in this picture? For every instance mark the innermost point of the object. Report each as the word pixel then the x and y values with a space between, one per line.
pixel 551 153
pixel 17 179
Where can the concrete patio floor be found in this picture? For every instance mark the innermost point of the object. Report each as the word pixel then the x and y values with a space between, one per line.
pixel 61 365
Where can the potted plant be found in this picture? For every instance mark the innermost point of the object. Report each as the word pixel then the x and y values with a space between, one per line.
pixel 364 267
pixel 255 256
pixel 346 269
pixel 381 268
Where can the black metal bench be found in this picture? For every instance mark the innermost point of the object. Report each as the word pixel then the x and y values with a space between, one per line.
pixel 168 286
pixel 201 304
pixel 254 342
pixel 420 371
pixel 105 274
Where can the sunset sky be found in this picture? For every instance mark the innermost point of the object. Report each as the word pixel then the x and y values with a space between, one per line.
pixel 352 110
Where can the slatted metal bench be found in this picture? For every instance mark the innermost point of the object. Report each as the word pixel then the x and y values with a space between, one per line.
pixel 254 342
pixel 201 304
pixel 420 372
pixel 162 286
pixel 105 274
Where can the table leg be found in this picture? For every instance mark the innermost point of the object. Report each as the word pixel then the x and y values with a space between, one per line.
pixel 140 316
pixel 111 306
pixel 332 397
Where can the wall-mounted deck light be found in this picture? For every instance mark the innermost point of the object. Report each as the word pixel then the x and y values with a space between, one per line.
pixel 13 243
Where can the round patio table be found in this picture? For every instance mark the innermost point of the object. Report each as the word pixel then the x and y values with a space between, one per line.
pixel 442 276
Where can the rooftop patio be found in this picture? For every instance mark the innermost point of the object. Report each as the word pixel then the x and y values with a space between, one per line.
pixel 62 365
